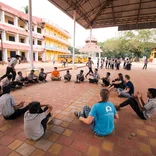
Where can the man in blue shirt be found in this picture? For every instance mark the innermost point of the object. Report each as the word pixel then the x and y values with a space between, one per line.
pixel 101 116
pixel 129 88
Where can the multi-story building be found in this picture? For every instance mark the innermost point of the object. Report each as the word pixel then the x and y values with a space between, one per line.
pixel 48 39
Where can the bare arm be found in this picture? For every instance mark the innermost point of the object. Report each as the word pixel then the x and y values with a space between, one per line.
pixel 116 116
pixel 87 120
pixel 19 105
pixel 49 109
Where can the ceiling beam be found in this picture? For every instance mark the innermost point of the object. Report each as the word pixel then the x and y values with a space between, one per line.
pixel 113 13
pixel 103 7
pixel 139 11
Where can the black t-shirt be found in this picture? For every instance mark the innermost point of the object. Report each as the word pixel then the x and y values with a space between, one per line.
pixel 129 85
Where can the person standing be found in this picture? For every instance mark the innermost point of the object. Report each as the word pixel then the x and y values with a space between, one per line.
pixel 145 64
pixel 11 68
pixel 89 64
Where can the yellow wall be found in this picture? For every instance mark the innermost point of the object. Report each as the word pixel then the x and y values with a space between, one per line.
pixel 51 42
pixel 8 18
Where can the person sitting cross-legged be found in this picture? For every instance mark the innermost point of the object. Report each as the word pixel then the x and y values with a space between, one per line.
pixel 42 75
pixel 67 76
pixel 106 80
pixel 20 80
pixel 100 116
pixel 55 75
pixel 36 119
pixel 95 76
pixel 142 109
pixel 8 108
pixel 129 88
pixel 32 78
pixel 80 77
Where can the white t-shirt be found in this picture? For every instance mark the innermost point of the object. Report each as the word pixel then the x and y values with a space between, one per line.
pixel 13 61
pixel 6 82
pixel 32 125
pixel 6 105
pixel 19 78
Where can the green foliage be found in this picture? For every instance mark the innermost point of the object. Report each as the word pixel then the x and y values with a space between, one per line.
pixel 26 9
pixel 71 50
pixel 136 43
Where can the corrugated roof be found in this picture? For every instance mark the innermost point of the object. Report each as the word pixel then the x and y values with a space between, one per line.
pixel 127 14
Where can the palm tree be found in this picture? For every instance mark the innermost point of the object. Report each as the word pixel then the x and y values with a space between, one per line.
pixel 26 9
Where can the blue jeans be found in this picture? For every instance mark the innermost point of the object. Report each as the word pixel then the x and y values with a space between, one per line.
pixel 85 113
pixel 123 94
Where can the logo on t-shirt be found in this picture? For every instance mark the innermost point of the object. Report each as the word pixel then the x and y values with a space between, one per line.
pixel 108 109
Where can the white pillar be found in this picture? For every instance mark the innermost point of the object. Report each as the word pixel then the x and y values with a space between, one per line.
pixel 74 16
pixel 27 56
pixel 16 21
pixel 30 36
pixel 4 36
pixel 35 42
pixel 35 28
pixel 5 55
pixel 43 56
pixel 99 56
pixel 2 16
pixel 17 38
pixel 36 56
pixel 18 52
pixel 43 43
pixel 90 34
pixel 42 31
pixel 27 40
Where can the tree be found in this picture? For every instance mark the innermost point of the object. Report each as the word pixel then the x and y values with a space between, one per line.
pixel 26 9
pixel 71 50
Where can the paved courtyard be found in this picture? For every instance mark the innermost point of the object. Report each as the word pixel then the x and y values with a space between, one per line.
pixel 67 136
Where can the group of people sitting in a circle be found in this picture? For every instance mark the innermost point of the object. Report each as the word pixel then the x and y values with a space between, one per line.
pixel 100 117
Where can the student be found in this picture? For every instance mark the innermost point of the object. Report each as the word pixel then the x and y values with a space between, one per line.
pixel 35 120
pixel 20 80
pixel 55 75
pixel 11 67
pixel 7 82
pixel 117 83
pixel 142 109
pixel 32 78
pixel 67 76
pixel 129 88
pixel 145 64
pixel 80 77
pixel 89 64
pixel 100 116
pixel 106 80
pixel 95 76
pixel 8 108
pixel 42 75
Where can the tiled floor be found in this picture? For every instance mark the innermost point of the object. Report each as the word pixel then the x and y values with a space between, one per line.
pixel 67 136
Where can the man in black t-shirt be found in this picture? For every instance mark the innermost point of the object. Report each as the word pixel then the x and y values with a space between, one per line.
pixel 129 88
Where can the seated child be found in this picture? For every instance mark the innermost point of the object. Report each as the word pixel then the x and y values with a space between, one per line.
pixel 95 76
pixel 67 76
pixel 55 75
pixel 20 80
pixel 42 76
pixel 106 80
pixel 32 78
pixel 143 109
pixel 35 120
pixel 7 82
pixel 117 83
pixel 8 108
pixel 80 77
pixel 101 116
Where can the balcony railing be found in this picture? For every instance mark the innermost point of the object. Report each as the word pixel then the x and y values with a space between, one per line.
pixel 56 49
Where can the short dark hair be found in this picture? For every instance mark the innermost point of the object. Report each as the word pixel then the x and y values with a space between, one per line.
pixel 81 71
pixel 127 77
pixel 120 75
pixel 9 76
pixel 55 67
pixel 89 57
pixel 108 73
pixel 96 69
pixel 32 71
pixel 6 90
pixel 19 72
pixel 17 56
pixel 68 71
pixel 34 107
pixel 152 92
pixel 42 69
pixel 104 94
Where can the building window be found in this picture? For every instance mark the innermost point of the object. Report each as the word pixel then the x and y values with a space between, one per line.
pixel 39 42
pixel 39 30
pixel 10 22
pixel 12 38
pixel 22 40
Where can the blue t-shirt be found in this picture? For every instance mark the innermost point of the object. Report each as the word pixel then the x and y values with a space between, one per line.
pixel 103 114
pixel 129 85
